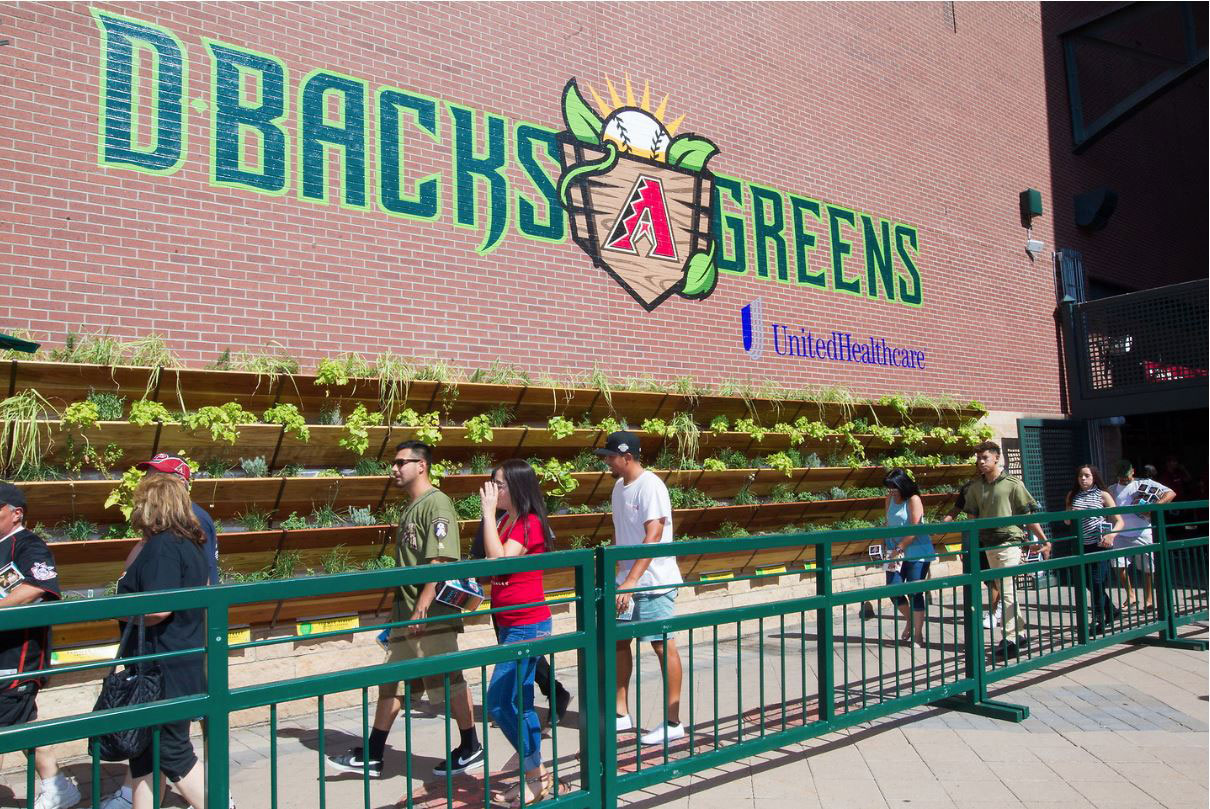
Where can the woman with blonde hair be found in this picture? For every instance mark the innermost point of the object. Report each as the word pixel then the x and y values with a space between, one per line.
pixel 170 557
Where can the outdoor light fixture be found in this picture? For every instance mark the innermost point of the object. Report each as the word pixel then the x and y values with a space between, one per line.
pixel 1031 206
pixel 1034 247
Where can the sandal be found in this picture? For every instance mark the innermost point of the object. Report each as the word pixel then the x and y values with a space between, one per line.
pixel 548 782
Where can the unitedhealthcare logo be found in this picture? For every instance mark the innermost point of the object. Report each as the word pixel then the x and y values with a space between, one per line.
pixel 752 327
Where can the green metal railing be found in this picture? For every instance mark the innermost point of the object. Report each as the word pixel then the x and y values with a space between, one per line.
pixel 762 672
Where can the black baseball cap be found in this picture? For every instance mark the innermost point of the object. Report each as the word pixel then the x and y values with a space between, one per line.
pixel 619 443
pixel 10 495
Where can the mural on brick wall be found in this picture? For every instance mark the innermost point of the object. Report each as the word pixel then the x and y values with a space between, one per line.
pixel 638 195
pixel 632 192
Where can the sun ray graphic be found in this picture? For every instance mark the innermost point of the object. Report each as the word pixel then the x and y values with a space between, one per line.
pixel 616 102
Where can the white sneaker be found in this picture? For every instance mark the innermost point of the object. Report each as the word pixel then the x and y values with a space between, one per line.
pixel 669 732
pixel 59 792
pixel 118 800
pixel 623 723
pixel 992 619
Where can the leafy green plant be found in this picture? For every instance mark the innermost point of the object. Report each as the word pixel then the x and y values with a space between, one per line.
pixel 720 424
pixel 144 413
pixel 560 427
pixel 838 493
pixel 337 371
pixel 223 421
pixel 390 513
pixel 731 529
pixel 266 363
pixel 689 497
pixel 287 416
pixel 500 416
pixel 89 349
pixel 481 463
pixel 371 467
pixel 579 542
pixel 378 563
pixel 713 465
pixel 745 497
pixel 732 458
pixel 77 530
pixel 77 455
pixel 611 425
pixel 780 461
pixel 899 403
pixel 499 373
pixel 290 470
pixel 479 429
pixel 254 520
pixel 357 429
pixel 122 495
pixel 285 564
pixel 750 427
pixel 782 493
pixel 360 516
pixel 110 406
pixel 850 524
pixel 215 467
pixel 428 426
pixel 294 522
pixel 469 508
pixel 338 560
pixel 862 492
pixel 329 415
pixel 437 473
pixel 555 476
pixel 330 472
pixel 25 437
pixel 807 497
pixel 120 530
pixel 256 467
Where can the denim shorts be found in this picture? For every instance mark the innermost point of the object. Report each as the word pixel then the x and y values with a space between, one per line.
pixel 652 607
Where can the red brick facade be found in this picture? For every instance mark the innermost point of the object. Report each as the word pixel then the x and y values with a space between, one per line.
pixel 893 109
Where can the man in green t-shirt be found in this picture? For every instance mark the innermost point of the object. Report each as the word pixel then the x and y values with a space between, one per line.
pixel 992 493
pixel 427 534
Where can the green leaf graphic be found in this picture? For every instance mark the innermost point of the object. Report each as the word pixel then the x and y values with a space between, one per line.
pixel 700 276
pixel 690 152
pixel 582 169
pixel 581 121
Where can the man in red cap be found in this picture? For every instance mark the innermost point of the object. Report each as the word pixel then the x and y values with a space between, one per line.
pixel 175 465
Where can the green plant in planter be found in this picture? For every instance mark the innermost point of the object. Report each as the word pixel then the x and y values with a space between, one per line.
pixel 560 427
pixel 390 513
pixel 656 427
pixel 371 467
pixel 899 403
pixel 437 473
pixel 120 530
pixel 469 508
pixel 110 406
pixel 808 497
pixel 294 522
pixel 215 467
pixel 500 415
pixel 684 430
pixel 357 429
pixel 290 470
pixel 481 463
pixel 223 421
pixel 611 425
pixel 328 473
pixel 339 370
pixel 360 516
pixel 285 564
pixel 499 373
pixel 863 492
pixel 750 427
pixel 256 467
pixel 720 424
pixel 745 497
pixel 713 465
pixel 77 530
pixel 689 497
pixel 781 462
pixel 266 363
pixel 88 349
pixel 379 563
pixel 850 524
pixel 555 476
pixel 23 434
pixel 254 520
pixel 732 458
pixel 911 436
pixel 103 460
pixel 782 493
pixel 287 416
pixel 122 495
pixel 812 429
pixel 887 434
pixel 731 530
pixel 144 413
pixel 338 560
pixel 579 542
pixel 428 426
pixel 329 415
pixel 838 493
pixel 479 429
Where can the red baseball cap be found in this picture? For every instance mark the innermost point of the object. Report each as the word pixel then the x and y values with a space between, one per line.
pixel 172 464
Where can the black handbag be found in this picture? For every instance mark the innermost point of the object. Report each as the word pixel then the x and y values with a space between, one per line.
pixel 136 684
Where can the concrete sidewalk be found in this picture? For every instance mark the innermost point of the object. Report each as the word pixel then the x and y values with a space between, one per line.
pixel 1124 727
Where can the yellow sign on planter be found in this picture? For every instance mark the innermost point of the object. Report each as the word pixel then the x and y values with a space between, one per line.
pixel 239 636
pixel 89 654
pixel 768 571
pixel 716 576
pixel 328 625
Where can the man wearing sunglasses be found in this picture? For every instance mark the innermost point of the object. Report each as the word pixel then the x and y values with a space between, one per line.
pixel 427 534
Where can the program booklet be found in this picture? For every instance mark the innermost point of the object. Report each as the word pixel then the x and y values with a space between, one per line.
pixel 10 577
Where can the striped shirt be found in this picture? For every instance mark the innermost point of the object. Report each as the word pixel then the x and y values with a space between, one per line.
pixel 1090 527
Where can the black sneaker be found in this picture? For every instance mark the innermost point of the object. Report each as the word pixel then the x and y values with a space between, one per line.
pixel 1007 649
pixel 461 762
pixel 562 700
pixel 353 761
pixel 867 611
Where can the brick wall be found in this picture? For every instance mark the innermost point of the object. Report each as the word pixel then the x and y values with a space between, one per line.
pixel 886 109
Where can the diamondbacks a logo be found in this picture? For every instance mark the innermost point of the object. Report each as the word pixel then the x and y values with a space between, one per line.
pixel 638 198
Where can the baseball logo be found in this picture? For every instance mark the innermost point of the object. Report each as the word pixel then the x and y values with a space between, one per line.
pixel 636 132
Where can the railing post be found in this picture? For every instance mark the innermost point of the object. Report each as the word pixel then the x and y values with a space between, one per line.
pixel 975 700
pixel 607 668
pixel 218 715
pixel 1081 588
pixel 588 621
pixel 1167 603
pixel 825 660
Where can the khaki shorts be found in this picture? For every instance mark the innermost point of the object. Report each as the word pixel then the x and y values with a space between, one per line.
pixel 431 644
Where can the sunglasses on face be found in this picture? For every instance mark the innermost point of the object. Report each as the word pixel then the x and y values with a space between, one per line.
pixel 399 463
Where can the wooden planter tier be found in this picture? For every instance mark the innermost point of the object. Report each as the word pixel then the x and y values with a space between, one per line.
pixel 280 448
pixel 51 502
pixel 96 564
pixel 63 383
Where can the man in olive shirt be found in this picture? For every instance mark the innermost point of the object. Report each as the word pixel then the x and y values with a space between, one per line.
pixel 428 534
pixel 992 493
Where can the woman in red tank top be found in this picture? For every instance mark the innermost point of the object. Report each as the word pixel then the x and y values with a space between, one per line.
pixel 521 530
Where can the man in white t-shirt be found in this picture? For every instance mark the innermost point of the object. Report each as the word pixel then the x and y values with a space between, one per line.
pixel 642 513
pixel 1132 491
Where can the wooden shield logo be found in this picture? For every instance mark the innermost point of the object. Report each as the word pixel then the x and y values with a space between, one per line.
pixel 638 199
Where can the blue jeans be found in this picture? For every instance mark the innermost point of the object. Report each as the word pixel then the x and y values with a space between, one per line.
pixel 502 703
pixel 910 571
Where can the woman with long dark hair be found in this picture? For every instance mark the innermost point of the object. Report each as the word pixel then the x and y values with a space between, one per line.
pixel 169 558
pixel 913 553
pixel 1097 534
pixel 521 528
